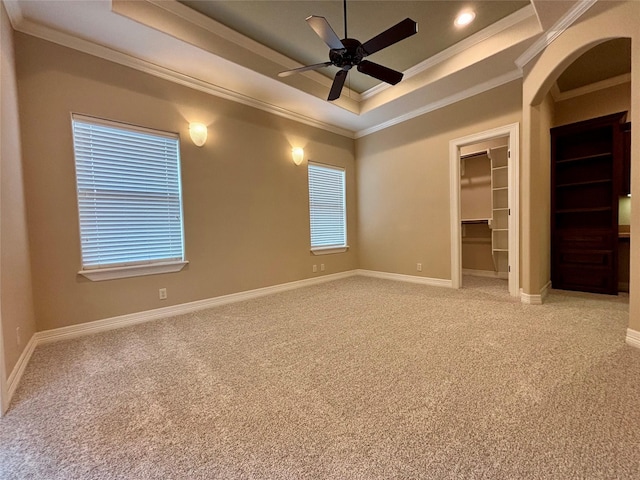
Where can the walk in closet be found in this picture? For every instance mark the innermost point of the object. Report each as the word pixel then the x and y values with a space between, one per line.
pixel 484 208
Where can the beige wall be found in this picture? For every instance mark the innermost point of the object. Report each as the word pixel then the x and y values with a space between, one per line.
pixel 476 247
pixel 403 183
pixel 16 302
pixel 246 215
pixel 592 105
pixel 541 205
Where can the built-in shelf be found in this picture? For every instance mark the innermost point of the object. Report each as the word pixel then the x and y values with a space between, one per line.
pixel 585 183
pixel 500 209
pixel 583 158
pixel 586 180
pixel 485 191
pixel 475 220
pixel 584 210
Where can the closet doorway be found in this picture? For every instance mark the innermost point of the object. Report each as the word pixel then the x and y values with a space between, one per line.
pixel 484 206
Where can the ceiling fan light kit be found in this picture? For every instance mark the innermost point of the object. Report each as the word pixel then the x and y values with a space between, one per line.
pixel 348 52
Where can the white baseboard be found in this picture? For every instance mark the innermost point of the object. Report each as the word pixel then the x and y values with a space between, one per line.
pixel 16 374
pixel 88 328
pixel 485 273
pixel 530 299
pixel 633 338
pixel 544 293
pixel 434 282
pixel 535 299
pixel 96 326
pixel 73 331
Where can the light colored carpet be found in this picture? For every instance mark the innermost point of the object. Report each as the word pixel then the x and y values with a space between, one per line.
pixel 355 379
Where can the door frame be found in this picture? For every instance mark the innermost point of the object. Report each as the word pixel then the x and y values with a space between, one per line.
pixel 512 131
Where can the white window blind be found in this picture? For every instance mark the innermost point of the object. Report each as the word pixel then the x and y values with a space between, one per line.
pixel 327 206
pixel 129 196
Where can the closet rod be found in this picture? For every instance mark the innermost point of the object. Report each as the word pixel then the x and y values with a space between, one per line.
pixel 475 154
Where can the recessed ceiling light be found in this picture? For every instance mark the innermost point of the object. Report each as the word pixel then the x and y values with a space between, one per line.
pixel 464 18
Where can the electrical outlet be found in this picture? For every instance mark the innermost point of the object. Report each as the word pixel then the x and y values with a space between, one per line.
pixel 162 293
pixel 322 267
pixel 419 267
pixel 18 336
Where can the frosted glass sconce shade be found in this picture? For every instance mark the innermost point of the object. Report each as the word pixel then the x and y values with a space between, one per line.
pixel 198 133
pixel 297 154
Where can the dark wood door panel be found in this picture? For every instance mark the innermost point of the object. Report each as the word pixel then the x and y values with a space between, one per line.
pixel 601 258
pixel 586 182
pixel 587 239
pixel 585 279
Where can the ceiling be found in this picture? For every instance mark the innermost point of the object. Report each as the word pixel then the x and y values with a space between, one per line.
pixel 290 35
pixel 608 60
pixel 234 49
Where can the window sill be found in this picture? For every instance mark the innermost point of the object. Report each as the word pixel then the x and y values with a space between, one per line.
pixel 100 274
pixel 329 250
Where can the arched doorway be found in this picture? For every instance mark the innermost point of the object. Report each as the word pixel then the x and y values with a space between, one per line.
pixel 606 22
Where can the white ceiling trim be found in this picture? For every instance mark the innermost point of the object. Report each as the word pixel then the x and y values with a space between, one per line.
pixel 351 128
pixel 463 45
pixel 554 32
pixel 443 102
pixel 14 11
pixel 106 53
pixel 559 96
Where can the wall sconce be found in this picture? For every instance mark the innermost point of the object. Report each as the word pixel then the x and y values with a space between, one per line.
pixel 297 154
pixel 198 133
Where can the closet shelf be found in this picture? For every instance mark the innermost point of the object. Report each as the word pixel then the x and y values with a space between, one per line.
pixel 584 183
pixel 475 220
pixel 583 210
pixel 583 158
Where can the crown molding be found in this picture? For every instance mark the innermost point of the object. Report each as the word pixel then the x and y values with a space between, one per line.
pixel 14 12
pixel 559 96
pixel 443 102
pixel 460 47
pixel 106 53
pixel 176 8
pixel 554 32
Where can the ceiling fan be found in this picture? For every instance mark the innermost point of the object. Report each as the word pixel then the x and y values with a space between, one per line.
pixel 349 52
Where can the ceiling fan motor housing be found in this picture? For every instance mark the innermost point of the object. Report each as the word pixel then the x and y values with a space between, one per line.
pixel 352 54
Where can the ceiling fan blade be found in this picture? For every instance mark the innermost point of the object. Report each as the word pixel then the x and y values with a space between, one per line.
pixel 400 31
pixel 315 66
pixel 325 32
pixel 338 83
pixel 380 72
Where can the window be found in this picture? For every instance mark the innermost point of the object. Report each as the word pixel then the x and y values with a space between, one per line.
pixel 129 199
pixel 327 209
